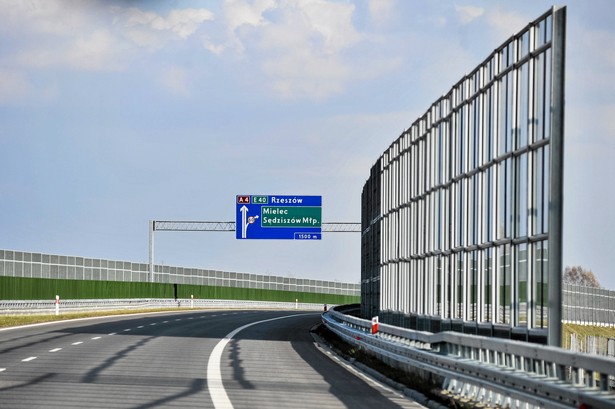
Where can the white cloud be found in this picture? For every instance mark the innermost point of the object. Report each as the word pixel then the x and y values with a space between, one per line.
pixel 176 81
pixel 332 22
pixel 506 23
pixel 237 15
pixel 96 51
pixel 212 47
pixel 296 23
pixel 151 30
pixel 91 35
pixel 301 73
pixel 57 18
pixel 185 22
pixel 181 22
pixel 240 12
pixel 87 36
pixel 381 11
pixel 303 48
pixel 59 34
pixel 300 45
pixel 467 14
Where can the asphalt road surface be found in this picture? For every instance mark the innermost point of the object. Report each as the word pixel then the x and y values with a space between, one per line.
pixel 195 359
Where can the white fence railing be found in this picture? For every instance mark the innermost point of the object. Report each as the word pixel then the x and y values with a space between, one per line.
pixel 490 371
pixel 49 306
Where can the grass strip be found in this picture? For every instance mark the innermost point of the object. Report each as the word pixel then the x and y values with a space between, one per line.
pixel 585 331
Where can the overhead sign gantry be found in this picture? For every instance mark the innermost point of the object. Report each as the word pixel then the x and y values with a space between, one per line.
pixel 274 211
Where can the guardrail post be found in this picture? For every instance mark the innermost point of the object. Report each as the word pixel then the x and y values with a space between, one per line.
pixel 604 382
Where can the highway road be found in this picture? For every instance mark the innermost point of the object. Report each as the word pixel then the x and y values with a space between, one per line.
pixel 194 359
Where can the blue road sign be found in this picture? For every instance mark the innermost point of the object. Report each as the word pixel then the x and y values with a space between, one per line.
pixel 278 217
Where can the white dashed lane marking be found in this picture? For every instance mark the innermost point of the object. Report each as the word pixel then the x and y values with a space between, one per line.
pixel 32 358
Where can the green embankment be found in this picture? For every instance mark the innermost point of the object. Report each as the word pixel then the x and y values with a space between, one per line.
pixel 20 288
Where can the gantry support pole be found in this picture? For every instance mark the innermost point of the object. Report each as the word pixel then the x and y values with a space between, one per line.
pixel 152 228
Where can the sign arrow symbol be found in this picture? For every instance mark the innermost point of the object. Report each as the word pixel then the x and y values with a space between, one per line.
pixel 244 221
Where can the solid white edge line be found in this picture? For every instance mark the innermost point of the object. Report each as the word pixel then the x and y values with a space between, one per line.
pixel 356 372
pixel 216 389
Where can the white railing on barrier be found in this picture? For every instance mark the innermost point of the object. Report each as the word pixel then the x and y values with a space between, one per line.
pixel 49 306
pixel 488 370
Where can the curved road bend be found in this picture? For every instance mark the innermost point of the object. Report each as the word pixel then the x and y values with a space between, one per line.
pixel 164 359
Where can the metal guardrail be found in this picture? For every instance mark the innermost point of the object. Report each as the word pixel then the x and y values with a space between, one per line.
pixel 486 370
pixel 48 306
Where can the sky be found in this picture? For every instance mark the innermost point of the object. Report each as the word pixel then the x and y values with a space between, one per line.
pixel 115 113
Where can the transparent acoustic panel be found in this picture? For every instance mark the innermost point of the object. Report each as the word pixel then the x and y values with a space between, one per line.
pixel 464 200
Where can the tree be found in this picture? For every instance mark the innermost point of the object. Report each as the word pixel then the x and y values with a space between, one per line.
pixel 579 276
